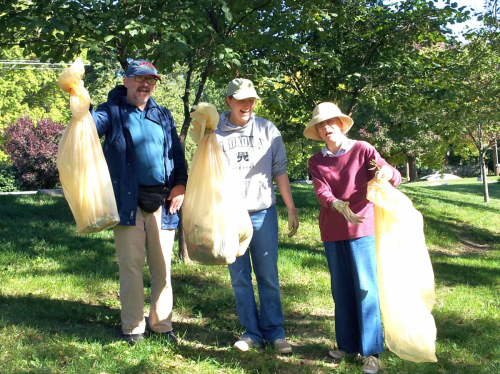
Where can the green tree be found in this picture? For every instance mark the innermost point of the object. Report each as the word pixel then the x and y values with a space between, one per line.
pixel 340 51
pixel 473 96
pixel 26 90
pixel 405 117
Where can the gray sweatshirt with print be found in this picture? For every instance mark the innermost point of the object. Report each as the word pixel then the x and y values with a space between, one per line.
pixel 256 154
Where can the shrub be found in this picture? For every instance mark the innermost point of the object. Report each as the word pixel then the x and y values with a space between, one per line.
pixel 33 151
pixel 7 178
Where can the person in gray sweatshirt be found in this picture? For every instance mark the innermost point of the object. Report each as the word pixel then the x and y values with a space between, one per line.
pixel 256 154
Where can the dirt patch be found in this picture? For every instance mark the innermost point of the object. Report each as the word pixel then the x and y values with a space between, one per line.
pixel 466 244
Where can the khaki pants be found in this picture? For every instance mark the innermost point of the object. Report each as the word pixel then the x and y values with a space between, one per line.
pixel 130 242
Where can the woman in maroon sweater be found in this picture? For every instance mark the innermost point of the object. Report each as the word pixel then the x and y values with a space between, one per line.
pixel 340 174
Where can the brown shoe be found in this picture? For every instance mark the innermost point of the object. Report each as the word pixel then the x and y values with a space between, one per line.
pixel 132 339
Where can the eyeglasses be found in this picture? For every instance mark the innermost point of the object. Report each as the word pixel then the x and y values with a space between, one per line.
pixel 141 79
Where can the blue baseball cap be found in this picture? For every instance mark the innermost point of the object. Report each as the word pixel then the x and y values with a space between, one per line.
pixel 142 67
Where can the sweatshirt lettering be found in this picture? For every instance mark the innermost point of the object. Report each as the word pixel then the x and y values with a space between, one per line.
pixel 241 142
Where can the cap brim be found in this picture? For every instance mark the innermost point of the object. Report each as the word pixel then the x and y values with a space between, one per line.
pixel 243 96
pixel 153 75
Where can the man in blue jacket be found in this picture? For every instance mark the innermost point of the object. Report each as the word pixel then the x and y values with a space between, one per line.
pixel 148 171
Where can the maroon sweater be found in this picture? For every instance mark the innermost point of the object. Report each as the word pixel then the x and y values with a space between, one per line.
pixel 345 178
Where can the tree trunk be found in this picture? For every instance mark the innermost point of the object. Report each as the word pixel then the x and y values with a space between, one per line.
pixel 187 107
pixel 183 252
pixel 484 173
pixel 484 177
pixel 412 163
pixel 495 158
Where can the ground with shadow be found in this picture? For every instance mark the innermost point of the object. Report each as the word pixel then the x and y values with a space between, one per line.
pixel 60 309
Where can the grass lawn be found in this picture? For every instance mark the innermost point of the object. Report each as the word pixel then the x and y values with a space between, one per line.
pixel 60 309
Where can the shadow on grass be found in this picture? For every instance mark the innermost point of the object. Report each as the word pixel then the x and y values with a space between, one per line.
pixel 63 317
pixel 474 189
pixel 479 337
pixel 427 195
pixel 218 325
pixel 41 226
pixel 450 274
pixel 452 229
pixel 46 228
pixel 298 247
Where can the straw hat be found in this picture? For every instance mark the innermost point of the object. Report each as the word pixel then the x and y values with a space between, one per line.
pixel 322 112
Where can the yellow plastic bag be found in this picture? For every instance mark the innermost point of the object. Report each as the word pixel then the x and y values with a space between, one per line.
pixel 405 275
pixel 82 168
pixel 216 224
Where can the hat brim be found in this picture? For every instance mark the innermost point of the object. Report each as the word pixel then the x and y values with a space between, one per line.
pixel 153 75
pixel 243 96
pixel 311 132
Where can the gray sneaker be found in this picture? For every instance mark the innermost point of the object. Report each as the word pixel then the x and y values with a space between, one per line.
pixel 282 346
pixel 244 344
pixel 371 364
pixel 337 354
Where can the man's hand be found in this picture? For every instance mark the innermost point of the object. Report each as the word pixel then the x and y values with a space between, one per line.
pixel 343 207
pixel 293 221
pixel 176 198
pixel 385 172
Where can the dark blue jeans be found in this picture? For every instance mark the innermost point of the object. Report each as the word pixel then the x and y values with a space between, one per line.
pixel 353 270
pixel 264 259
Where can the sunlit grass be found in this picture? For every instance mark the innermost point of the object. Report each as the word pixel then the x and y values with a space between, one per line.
pixel 60 309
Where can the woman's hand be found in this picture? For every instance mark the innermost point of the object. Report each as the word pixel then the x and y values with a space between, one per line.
pixel 293 221
pixel 343 208
pixel 385 172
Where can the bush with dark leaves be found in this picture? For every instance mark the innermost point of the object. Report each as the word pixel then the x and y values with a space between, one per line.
pixel 33 151
pixel 7 178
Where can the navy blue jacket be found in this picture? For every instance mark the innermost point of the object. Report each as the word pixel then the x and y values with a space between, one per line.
pixel 111 119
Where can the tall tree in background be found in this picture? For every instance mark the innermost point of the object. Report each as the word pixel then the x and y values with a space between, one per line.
pixel 195 34
pixel 340 51
pixel 409 112
pixel 302 52
pixel 28 92
pixel 473 95
pixel 299 53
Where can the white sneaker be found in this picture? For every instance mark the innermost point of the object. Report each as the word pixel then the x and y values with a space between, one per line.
pixel 244 344
pixel 282 346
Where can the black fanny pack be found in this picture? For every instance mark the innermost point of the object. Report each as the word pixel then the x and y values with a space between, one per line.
pixel 152 197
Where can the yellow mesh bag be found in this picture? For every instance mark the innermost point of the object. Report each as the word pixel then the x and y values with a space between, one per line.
pixel 405 275
pixel 216 224
pixel 82 168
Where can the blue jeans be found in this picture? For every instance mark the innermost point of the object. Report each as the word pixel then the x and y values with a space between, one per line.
pixel 353 270
pixel 264 252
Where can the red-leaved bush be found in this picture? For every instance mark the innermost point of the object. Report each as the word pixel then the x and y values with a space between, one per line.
pixel 33 151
